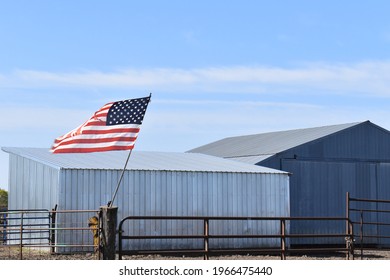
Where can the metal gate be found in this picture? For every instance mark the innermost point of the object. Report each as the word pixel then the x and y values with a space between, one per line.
pixel 371 222
pixel 29 227
pixel 52 231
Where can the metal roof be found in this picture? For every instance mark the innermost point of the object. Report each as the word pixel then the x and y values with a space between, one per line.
pixel 257 147
pixel 139 160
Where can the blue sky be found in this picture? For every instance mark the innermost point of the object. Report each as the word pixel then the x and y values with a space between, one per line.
pixel 215 68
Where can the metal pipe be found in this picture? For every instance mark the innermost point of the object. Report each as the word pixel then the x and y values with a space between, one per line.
pixel 206 239
pixel 206 236
pixel 361 234
pixel 21 237
pixel 283 239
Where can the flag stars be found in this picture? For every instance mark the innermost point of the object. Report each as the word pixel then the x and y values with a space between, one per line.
pixel 127 112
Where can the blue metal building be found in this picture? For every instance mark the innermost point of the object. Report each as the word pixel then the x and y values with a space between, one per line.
pixel 325 163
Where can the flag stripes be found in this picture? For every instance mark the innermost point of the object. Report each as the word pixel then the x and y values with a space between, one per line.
pixel 95 135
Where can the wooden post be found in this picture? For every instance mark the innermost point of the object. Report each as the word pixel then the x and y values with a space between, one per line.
pixel 109 223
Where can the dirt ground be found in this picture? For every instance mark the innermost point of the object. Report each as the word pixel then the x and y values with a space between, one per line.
pixel 13 253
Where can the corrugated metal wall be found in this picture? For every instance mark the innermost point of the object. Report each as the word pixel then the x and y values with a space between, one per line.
pixel 356 160
pixel 36 185
pixel 33 185
pixel 319 189
pixel 183 194
pixel 383 179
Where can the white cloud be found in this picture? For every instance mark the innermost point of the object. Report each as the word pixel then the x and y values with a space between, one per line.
pixel 36 117
pixel 189 127
pixel 124 78
pixel 177 122
pixel 367 78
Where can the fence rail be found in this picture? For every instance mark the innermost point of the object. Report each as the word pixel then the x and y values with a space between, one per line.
pixel 370 217
pixel 206 251
pixel 366 226
pixel 50 229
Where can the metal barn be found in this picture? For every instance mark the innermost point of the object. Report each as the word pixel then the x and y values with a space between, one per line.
pixel 154 184
pixel 325 163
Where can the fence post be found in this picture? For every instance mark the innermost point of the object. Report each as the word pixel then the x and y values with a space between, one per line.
pixel 348 237
pixel 109 222
pixel 206 239
pixel 21 236
pixel 3 224
pixel 361 234
pixel 347 206
pixel 352 240
pixel 52 228
pixel 283 238
pixel 120 233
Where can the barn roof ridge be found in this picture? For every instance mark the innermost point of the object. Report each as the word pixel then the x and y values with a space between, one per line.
pixel 140 160
pixel 271 143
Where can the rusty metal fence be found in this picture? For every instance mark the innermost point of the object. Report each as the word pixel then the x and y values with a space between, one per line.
pixel 50 231
pixel 281 234
pixel 371 220
pixel 365 227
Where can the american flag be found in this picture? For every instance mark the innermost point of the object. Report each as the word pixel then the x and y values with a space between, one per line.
pixel 114 127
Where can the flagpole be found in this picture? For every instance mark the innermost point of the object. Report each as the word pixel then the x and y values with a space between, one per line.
pixel 109 204
pixel 120 180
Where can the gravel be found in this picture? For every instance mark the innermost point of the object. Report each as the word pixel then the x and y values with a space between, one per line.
pixel 13 253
